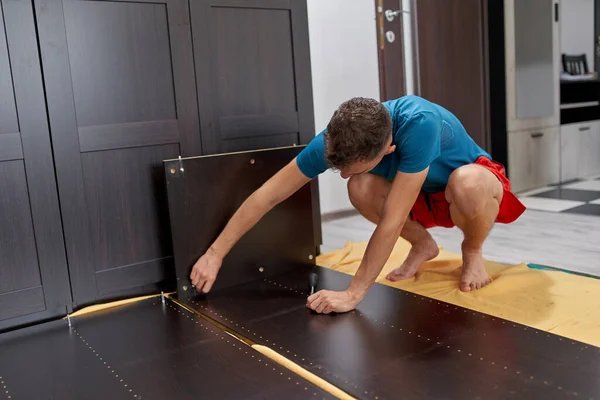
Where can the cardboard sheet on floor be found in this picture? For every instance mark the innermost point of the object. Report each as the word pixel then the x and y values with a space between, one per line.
pixel 564 304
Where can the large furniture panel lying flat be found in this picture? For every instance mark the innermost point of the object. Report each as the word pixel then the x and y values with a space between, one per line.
pixel 144 350
pixel 401 345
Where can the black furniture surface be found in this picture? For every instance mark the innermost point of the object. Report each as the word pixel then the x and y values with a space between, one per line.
pixel 400 345
pixel 144 350
pixel 579 100
pixel 204 192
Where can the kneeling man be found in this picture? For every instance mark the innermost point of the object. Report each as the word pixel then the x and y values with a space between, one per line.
pixel 410 166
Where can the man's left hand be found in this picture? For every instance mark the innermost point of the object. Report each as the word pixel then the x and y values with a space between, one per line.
pixel 327 301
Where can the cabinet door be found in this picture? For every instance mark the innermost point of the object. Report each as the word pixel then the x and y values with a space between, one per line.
pixel 119 78
pixel 253 73
pixel 590 150
pixel 570 150
pixel 33 269
pixel 532 64
pixel 534 158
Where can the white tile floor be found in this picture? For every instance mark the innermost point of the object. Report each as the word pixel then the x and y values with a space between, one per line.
pixel 554 205
pixel 560 240
pixel 580 197
pixel 584 185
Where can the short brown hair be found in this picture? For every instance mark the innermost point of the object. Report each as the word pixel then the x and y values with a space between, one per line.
pixel 358 131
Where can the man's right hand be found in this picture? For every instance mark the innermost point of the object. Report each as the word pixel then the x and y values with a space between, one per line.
pixel 205 271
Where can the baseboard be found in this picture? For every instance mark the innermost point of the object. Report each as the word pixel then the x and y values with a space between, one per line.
pixel 335 215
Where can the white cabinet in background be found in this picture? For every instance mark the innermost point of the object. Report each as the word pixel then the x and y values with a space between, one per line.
pixel 533 65
pixel 579 150
pixel 534 158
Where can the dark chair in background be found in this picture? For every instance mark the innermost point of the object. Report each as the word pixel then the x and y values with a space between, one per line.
pixel 575 64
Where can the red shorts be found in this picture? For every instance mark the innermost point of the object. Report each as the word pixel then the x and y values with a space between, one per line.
pixel 432 209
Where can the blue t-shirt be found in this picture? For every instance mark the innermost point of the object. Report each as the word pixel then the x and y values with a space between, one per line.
pixel 425 134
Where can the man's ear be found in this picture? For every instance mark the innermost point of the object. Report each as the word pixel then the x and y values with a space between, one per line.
pixel 390 149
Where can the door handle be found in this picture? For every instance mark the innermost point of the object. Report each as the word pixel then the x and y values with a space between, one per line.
pixel 537 135
pixel 584 128
pixel 390 15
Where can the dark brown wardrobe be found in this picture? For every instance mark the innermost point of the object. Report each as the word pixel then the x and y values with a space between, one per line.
pixel 94 95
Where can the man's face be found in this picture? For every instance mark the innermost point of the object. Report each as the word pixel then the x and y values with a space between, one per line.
pixel 362 167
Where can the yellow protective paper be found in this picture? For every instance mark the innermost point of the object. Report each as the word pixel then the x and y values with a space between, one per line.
pixel 564 304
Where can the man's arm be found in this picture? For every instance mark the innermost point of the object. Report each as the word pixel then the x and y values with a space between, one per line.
pixel 277 189
pixel 403 194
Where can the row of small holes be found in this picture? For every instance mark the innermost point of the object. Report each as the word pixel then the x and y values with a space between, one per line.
pixel 281 348
pixel 285 287
pixel 483 316
pixel 239 347
pixel 439 343
pixel 112 371
pixel 4 388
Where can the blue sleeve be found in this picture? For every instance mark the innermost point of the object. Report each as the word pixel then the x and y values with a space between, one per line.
pixel 311 160
pixel 419 144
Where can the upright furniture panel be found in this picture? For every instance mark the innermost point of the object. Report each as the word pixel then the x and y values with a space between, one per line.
pixel 201 202
pixel 120 84
pixel 253 73
pixel 33 271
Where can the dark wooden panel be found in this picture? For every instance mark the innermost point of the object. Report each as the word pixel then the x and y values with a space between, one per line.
pixel 260 142
pixel 302 69
pixel 122 74
pixel 140 72
pixel 114 280
pixel 497 83
pixel 10 146
pixel 127 206
pixel 21 302
pixel 64 368
pixel 201 202
pixel 452 61
pixel 252 60
pixel 36 318
pixel 135 134
pixel 258 77
pixel 258 125
pixel 8 109
pixel 390 55
pixel 43 254
pixel 144 350
pixel 18 256
pixel 439 350
pixel 260 4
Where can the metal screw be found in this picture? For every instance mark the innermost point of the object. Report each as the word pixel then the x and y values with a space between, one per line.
pixel 173 171
pixel 252 161
pixel 185 288
pixel 261 269
pixel 310 257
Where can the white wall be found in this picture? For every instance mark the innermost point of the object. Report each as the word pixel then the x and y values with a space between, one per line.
pixel 577 28
pixel 343 46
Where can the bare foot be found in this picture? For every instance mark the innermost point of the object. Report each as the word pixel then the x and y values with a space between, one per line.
pixel 474 276
pixel 419 253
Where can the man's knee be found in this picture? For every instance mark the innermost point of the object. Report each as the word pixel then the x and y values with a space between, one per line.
pixel 358 190
pixel 365 189
pixel 471 188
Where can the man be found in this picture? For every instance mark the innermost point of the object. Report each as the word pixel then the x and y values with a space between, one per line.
pixel 411 166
